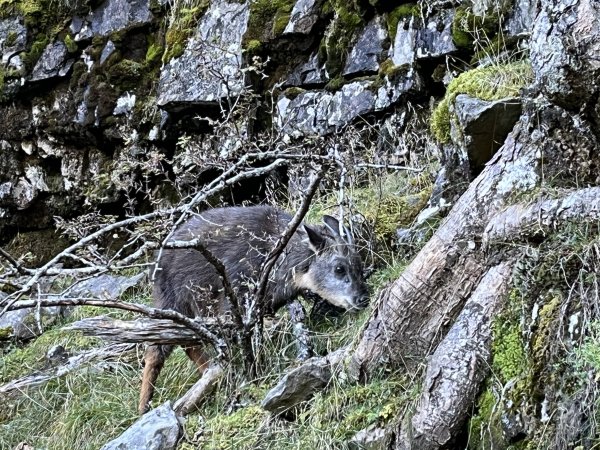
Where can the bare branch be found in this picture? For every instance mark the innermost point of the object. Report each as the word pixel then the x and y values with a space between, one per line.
pixel 72 364
pixel 286 236
pixel 199 390
pixel 193 324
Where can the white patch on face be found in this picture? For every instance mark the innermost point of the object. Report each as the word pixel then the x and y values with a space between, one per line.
pixel 306 281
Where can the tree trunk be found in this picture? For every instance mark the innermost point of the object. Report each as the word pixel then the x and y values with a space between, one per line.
pixel 553 147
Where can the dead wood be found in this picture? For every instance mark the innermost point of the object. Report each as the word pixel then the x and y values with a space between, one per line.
pixel 192 398
pixel 521 221
pixel 152 331
pixel 457 367
pixel 108 353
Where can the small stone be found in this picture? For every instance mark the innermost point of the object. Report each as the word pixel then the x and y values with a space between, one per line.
pixel 158 429
pixel 51 63
pixel 368 51
pixel 304 16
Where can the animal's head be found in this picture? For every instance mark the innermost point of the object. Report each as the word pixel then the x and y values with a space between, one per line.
pixel 335 272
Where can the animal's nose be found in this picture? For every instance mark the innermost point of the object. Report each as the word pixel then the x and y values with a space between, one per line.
pixel 363 300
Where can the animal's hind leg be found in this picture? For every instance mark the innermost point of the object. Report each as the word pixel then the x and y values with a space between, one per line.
pixel 154 359
pixel 199 356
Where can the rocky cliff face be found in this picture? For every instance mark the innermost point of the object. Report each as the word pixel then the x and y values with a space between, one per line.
pixel 93 93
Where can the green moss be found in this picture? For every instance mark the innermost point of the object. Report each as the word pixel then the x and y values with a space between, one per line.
pixel 335 84
pixel 293 92
pixel 182 25
pixel 37 48
pixel 253 46
pixel 70 44
pixel 125 74
pixel 467 27
pixel 268 19
pixel 486 83
pixel 401 12
pixel 11 39
pixel 153 54
pixel 334 47
pixel 509 359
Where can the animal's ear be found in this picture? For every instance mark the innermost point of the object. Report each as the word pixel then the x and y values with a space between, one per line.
pixel 333 225
pixel 316 240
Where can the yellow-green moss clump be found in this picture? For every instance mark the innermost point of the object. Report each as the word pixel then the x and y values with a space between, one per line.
pixel 334 46
pixel 486 83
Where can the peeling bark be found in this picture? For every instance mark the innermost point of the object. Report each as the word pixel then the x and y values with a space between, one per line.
pixel 413 314
pixel 457 367
pixel 154 331
pixel 521 221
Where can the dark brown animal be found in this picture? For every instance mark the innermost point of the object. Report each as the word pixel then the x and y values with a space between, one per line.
pixel 317 259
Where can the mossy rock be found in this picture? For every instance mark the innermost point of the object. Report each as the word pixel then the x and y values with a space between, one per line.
pixel 126 74
pixel 182 26
pixel 402 12
pixel 268 19
pixel 485 83
pixel 334 47
pixel 467 27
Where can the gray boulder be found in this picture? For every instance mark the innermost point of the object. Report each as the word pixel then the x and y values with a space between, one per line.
pixel 368 51
pixel 210 68
pixel 483 126
pixel 13 38
pixel 112 16
pixel 320 112
pixel 158 429
pixel 564 47
pixel 304 16
pixel 403 49
pixel 309 73
pixel 435 38
pixel 105 286
pixel 52 63
pixel 22 324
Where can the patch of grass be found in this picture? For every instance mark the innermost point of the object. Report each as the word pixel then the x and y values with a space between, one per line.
pixel 486 83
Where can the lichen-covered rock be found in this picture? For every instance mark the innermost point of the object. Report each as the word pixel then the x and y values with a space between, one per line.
pixel 321 112
pixel 52 63
pixel 158 429
pixel 403 50
pixel 111 16
pixel 368 51
pixel 371 438
pixel 210 67
pixel 565 44
pixel 305 15
pixel 13 38
pixel 435 38
pixel 482 126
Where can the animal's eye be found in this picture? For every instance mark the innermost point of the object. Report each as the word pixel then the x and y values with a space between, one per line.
pixel 339 270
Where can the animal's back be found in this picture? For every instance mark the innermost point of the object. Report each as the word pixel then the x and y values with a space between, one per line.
pixel 240 237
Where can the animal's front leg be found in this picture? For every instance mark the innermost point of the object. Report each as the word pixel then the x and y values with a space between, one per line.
pixel 298 316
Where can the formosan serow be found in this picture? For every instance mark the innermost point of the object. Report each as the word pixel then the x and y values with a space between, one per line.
pixel 317 259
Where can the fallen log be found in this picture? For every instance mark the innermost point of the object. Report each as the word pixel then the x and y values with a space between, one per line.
pixel 153 331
